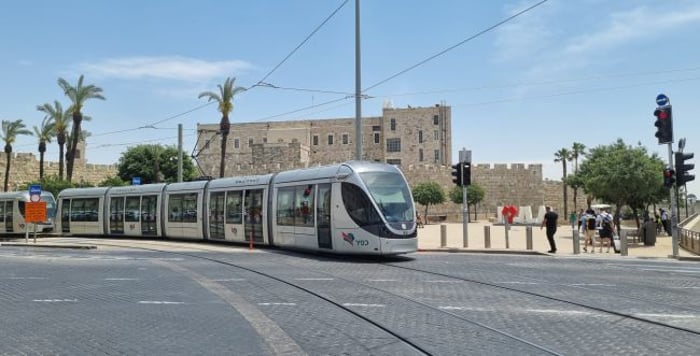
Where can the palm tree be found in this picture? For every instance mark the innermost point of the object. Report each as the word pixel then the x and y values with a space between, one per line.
pixel 225 99
pixel 45 133
pixel 562 156
pixel 78 95
pixel 61 122
pixel 577 149
pixel 10 131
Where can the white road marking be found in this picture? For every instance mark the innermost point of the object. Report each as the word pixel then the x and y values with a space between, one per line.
pixel 681 316
pixel 158 302
pixel 55 300
pixel 121 279
pixel 591 284
pixel 364 305
pixel 442 281
pixel 382 280
pixel 313 279
pixel 287 304
pixel 465 308
pixel 555 311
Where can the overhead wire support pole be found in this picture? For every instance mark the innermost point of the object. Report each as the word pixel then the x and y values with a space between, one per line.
pixel 674 208
pixel 358 85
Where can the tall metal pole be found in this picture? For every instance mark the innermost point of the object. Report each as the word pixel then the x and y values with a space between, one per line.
pixel 465 218
pixel 674 208
pixel 358 86
pixel 179 152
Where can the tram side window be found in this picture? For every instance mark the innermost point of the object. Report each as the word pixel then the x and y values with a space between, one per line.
pixel 359 206
pixel 133 210
pixel 182 207
pixel 234 207
pixel 304 206
pixel 285 206
pixel 2 211
pixel 20 206
pixel 91 209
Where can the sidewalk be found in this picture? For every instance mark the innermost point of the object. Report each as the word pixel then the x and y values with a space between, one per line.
pixel 430 236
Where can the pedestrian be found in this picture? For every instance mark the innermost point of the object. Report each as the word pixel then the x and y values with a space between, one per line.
pixel 607 225
pixel 580 219
pixel 665 221
pixel 419 221
pixel 589 228
pixel 550 221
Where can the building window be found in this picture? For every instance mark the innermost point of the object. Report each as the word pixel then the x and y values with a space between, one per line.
pixel 315 140
pixel 376 128
pixel 264 139
pixel 396 162
pixel 420 136
pixel 393 124
pixel 393 145
pixel 250 141
pixel 236 143
pixel 436 135
pixel 436 120
pixel 330 139
pixel 376 137
pixel 437 155
pixel 345 139
pixel 420 154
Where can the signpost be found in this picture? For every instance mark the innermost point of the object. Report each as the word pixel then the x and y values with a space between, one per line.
pixel 664 102
pixel 34 210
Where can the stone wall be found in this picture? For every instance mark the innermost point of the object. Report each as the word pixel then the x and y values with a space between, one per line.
pixel 24 168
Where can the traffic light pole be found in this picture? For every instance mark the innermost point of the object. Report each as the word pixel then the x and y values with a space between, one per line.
pixel 674 208
pixel 465 218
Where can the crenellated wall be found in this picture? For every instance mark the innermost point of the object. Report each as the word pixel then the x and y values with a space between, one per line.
pixel 24 168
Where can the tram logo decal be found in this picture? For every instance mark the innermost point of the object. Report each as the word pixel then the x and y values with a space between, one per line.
pixel 349 238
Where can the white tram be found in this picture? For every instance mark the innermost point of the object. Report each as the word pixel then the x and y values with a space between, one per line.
pixel 12 213
pixel 356 207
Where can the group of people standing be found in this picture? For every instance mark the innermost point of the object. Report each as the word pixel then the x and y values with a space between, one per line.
pixel 589 222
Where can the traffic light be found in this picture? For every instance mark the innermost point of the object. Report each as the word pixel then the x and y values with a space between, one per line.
pixel 664 124
pixel 669 177
pixel 682 168
pixel 466 173
pixel 457 174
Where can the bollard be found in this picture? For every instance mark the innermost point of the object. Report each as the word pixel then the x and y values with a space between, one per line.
pixel 507 239
pixel 528 237
pixel 577 243
pixel 623 243
pixel 251 240
pixel 487 236
pixel 443 235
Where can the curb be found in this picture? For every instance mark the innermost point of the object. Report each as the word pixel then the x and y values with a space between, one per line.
pixel 22 244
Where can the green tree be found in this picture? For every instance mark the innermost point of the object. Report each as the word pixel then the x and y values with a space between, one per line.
pixel 577 150
pixel 428 194
pixel 623 175
pixel 225 99
pixel 44 134
pixel 78 95
pixel 563 155
pixel 10 131
pixel 51 184
pixel 475 194
pixel 61 120
pixel 112 182
pixel 138 161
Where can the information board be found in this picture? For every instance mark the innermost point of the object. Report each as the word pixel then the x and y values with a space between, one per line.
pixel 35 212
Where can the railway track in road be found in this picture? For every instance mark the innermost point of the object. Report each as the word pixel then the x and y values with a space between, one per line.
pixel 401 306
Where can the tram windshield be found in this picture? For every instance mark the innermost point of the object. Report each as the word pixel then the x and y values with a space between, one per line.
pixel 50 204
pixel 390 192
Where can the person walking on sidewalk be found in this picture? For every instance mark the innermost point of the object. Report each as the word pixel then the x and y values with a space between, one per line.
pixel 550 221
pixel 589 229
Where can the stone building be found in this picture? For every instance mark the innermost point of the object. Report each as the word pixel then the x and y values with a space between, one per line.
pixel 417 140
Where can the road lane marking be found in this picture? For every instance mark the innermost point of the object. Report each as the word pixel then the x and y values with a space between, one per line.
pixel 680 316
pixel 286 304
pixel 382 280
pixel 364 305
pixel 158 302
pixel 590 284
pixel 56 300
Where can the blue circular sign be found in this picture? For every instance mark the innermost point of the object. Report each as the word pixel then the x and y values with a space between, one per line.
pixel 661 100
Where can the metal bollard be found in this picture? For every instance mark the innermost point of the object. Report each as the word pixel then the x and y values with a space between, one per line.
pixel 507 227
pixel 487 236
pixel 443 235
pixel 577 243
pixel 528 237
pixel 623 243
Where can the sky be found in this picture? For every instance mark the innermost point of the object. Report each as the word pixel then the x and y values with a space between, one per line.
pixel 565 71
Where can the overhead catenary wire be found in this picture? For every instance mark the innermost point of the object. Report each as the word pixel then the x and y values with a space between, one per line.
pixel 478 34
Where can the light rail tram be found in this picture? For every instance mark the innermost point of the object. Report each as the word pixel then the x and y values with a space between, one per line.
pixel 12 205
pixel 356 207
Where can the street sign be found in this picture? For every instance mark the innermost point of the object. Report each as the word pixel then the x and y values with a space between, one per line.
pixel 35 192
pixel 35 212
pixel 135 180
pixel 661 100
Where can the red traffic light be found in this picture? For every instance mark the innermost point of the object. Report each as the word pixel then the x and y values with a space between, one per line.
pixel 663 115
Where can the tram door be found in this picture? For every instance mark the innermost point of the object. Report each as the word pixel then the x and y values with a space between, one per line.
pixel 323 216
pixel 149 215
pixel 6 215
pixel 253 217
pixel 65 215
pixel 216 216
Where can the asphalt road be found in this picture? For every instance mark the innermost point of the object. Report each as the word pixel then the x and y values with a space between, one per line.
pixel 157 298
